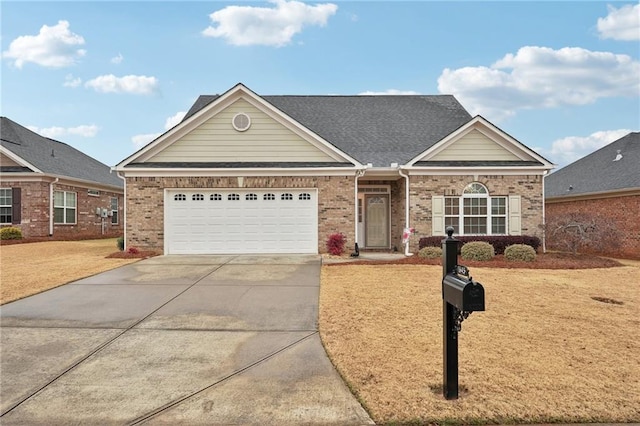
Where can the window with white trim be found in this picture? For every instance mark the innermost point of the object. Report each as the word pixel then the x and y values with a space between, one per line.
pixel 64 207
pixel 114 210
pixel 476 213
pixel 5 206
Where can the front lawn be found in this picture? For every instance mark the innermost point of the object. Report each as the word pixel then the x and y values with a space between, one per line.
pixel 551 347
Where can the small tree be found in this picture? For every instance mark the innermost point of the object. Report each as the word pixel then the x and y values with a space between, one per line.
pixel 579 231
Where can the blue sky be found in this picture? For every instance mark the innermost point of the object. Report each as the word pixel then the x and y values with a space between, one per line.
pixel 562 77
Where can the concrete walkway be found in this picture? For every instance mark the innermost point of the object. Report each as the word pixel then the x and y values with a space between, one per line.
pixel 175 340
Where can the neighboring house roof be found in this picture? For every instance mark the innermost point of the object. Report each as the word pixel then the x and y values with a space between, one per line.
pixel 372 129
pixel 47 156
pixel 614 167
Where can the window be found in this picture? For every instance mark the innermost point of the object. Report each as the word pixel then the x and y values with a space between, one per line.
pixel 197 197
pixel 233 197
pixel 269 197
pixel 114 210
pixel 251 197
pixel 304 196
pixel 286 196
pixel 180 197
pixel 475 213
pixel 5 205
pixel 64 207
pixel 215 197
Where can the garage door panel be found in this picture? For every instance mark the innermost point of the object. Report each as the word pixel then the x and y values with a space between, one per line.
pixel 217 221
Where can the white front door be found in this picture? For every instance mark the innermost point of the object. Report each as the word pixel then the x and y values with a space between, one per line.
pixel 227 221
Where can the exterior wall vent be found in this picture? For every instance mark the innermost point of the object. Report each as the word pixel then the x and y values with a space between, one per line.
pixel 241 122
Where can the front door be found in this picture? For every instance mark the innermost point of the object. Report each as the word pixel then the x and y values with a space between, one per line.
pixel 377 221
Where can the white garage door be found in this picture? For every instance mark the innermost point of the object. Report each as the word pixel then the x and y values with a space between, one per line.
pixel 221 221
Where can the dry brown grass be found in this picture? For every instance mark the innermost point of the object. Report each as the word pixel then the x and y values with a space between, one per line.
pixel 27 269
pixel 544 350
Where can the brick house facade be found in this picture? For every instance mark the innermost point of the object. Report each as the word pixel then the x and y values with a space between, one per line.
pixel 49 189
pixel 186 189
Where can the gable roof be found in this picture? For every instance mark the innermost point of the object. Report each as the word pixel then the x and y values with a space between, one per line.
pixel 48 156
pixel 598 172
pixel 372 129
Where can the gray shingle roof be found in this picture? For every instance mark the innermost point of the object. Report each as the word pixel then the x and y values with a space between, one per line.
pixel 598 172
pixel 53 157
pixel 372 129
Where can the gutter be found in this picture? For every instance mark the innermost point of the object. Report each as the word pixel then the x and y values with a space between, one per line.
pixel 406 208
pixel 51 205
pixel 124 210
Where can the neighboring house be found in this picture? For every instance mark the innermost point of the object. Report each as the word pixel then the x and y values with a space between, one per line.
pixel 605 184
pixel 49 189
pixel 244 173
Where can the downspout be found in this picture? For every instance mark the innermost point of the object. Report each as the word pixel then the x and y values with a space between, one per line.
pixel 544 216
pixel 359 174
pixel 51 205
pixel 124 210
pixel 406 208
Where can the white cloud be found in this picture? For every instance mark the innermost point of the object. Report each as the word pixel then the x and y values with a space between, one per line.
pixel 247 25
pixel 174 119
pixel 55 132
pixel 141 140
pixel 541 77
pixel 117 59
pixel 134 84
pixel 70 81
pixel 621 24
pixel 389 92
pixel 567 150
pixel 53 47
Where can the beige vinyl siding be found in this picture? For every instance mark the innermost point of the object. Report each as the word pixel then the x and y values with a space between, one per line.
pixel 474 146
pixel 7 162
pixel 216 140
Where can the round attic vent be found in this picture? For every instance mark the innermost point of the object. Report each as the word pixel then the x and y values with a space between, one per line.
pixel 241 122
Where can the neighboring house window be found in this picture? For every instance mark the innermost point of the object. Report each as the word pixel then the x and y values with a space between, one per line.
pixel 114 210
pixel 5 206
pixel 476 213
pixel 64 207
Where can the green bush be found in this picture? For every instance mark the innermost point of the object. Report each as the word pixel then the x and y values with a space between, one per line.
pixel 430 252
pixel 121 243
pixel 10 233
pixel 520 252
pixel 477 250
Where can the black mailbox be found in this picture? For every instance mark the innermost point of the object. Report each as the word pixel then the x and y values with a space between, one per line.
pixel 463 293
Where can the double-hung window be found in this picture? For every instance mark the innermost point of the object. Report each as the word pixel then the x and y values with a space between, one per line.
pixel 64 207
pixel 114 210
pixel 476 213
pixel 5 206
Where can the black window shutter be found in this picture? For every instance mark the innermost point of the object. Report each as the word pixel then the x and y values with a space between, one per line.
pixel 16 205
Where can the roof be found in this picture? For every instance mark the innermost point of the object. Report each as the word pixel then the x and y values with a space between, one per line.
pixel 372 129
pixel 52 157
pixel 599 171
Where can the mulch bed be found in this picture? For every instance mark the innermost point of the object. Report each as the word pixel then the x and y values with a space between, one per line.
pixel 543 261
pixel 140 254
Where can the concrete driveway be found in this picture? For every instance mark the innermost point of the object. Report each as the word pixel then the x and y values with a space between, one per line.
pixel 175 340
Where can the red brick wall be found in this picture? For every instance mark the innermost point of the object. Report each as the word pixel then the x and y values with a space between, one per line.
pixel 35 212
pixel 623 212
pixel 145 204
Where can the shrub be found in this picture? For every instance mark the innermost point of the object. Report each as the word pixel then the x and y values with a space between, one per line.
pixel 477 250
pixel 335 244
pixel 520 252
pixel 10 233
pixel 120 243
pixel 430 252
pixel 499 242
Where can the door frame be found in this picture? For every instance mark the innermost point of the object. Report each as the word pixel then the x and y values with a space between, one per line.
pixel 363 192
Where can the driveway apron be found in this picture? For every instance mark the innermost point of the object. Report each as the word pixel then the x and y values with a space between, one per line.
pixel 175 340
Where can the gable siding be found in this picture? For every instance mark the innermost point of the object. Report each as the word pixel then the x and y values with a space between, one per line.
pixel 474 146
pixel 7 162
pixel 217 141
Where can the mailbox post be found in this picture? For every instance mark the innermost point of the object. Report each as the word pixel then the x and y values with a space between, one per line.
pixel 460 297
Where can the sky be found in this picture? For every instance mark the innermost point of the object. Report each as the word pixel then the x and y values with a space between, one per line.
pixel 562 77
